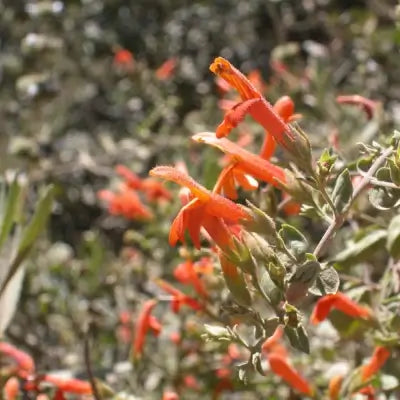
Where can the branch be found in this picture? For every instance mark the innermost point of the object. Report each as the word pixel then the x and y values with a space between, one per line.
pixel 89 370
pixel 341 218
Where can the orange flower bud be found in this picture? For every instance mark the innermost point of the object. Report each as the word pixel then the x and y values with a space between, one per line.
pixel 11 388
pixel 24 361
pixel 340 302
pixel 75 386
pixel 334 387
pixel 369 106
pixel 378 359
pixel 280 367
pixel 144 323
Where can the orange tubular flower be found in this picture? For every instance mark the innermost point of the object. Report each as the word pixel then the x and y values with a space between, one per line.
pixel 272 345
pixel 246 161
pixel 124 58
pixel 24 361
pixel 130 178
pixel 334 387
pixel 255 77
pixel 205 209
pixel 280 367
pixel 155 190
pixel 284 107
pixel 179 298
pixel 170 396
pixel 145 322
pixel 11 388
pixel 125 203
pixel 185 273
pixel 378 359
pixel 166 70
pixel 369 392
pixel 75 386
pixel 252 103
pixel 340 302
pixel 369 106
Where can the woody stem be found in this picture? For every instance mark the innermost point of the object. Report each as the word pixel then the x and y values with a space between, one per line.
pixel 341 218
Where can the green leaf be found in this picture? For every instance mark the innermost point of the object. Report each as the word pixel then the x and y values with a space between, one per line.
pixel 383 174
pixel 261 223
pixel 270 325
pixel 10 210
pixel 298 338
pixel 217 332
pixel 343 191
pixel 269 288
pixel 327 282
pixel 306 273
pixel 31 233
pixel 393 238
pixel 382 198
pixel 294 240
pixel 394 172
pixel 38 221
pixel 256 362
pixel 360 250
pixel 326 162
pixel 235 282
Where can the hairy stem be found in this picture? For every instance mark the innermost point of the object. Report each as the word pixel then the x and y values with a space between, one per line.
pixel 341 218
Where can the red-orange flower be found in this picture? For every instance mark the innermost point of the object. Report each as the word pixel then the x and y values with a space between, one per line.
pixel 255 77
pixel 222 85
pixel 167 69
pixel 272 345
pixel 282 368
pixel 186 273
pixel 368 391
pixel 291 207
pixel 378 359
pixel 178 298
pixel 369 106
pixel 340 302
pixel 205 209
pixel 154 190
pixel 252 103
pixel 144 323
pixel 204 266
pixel 284 107
pixel 70 385
pixel 191 382
pixel 334 387
pixel 125 202
pixel 245 161
pixel 131 179
pixel 124 58
pixel 24 362
pixel 170 396
pixel 11 388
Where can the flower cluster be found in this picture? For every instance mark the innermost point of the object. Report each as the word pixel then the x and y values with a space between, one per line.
pixel 125 201
pixel 23 376
pixel 257 260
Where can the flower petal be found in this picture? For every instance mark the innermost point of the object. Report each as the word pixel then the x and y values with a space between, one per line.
pixel 223 68
pixel 378 359
pixel 280 367
pixel 369 106
pixel 247 161
pixel 175 175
